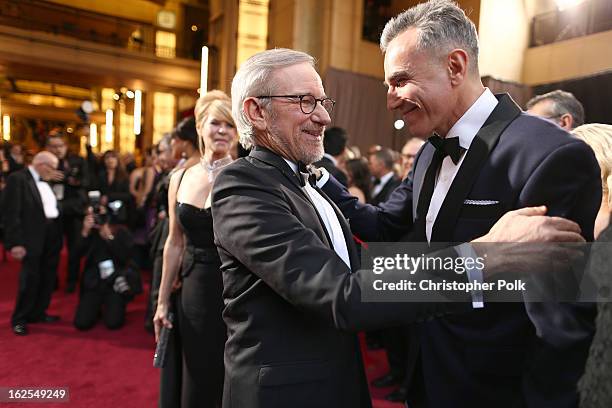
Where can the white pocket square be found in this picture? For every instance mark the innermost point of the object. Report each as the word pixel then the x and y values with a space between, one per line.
pixel 481 202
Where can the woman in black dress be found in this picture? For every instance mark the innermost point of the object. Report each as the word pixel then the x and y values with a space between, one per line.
pixel 199 303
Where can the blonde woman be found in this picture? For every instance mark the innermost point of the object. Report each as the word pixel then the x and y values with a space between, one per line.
pixel 599 137
pixel 190 248
pixel 596 383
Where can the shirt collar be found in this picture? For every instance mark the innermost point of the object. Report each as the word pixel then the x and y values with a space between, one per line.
pixel 331 158
pixel 292 165
pixel 472 120
pixel 384 179
pixel 34 173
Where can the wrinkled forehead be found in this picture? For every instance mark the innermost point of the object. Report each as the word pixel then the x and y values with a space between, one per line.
pixel 298 79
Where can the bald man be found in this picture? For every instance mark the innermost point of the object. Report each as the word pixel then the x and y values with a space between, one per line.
pixel 32 235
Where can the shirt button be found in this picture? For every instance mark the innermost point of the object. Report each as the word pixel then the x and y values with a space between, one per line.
pixel 430 218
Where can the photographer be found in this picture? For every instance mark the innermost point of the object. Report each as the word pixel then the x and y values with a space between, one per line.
pixel 109 281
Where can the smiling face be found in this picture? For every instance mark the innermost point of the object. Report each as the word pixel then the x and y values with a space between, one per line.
pixel 293 134
pixel 218 135
pixel 419 86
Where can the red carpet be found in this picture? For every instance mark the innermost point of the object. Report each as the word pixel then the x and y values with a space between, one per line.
pixel 101 368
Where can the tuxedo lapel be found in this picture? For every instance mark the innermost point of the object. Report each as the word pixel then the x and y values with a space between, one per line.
pixel 272 159
pixel 32 184
pixel 482 145
pixel 420 170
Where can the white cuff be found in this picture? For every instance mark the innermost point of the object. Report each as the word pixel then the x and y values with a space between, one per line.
pixel 474 274
pixel 324 177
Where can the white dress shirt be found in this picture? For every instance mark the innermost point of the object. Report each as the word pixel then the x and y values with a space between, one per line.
pixel 330 220
pixel 46 195
pixel 465 129
pixel 381 183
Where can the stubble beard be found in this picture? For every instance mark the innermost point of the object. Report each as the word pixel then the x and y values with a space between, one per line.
pixel 307 153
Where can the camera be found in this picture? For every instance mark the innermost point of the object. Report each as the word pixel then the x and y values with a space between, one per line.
pixel 111 213
pixel 100 213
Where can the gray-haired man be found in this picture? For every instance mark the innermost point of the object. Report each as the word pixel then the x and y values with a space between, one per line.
pixel 292 284
pixel 559 106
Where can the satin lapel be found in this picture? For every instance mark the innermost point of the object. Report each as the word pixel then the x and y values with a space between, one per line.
pixel 482 145
pixel 272 159
pixel 346 231
pixel 420 170
pixel 33 188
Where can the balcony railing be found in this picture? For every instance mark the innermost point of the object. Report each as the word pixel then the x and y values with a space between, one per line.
pixel 588 17
pixel 85 25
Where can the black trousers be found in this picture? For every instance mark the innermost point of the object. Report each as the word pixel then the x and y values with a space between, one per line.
pixel 395 342
pixel 103 300
pixel 37 277
pixel 72 229
pixel 199 341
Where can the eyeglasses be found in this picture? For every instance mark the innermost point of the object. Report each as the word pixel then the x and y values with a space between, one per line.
pixel 308 103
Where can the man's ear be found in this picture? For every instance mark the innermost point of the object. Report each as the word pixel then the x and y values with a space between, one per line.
pixel 254 113
pixel 566 121
pixel 457 65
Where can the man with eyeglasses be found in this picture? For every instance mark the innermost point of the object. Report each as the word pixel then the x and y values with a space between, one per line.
pixel 33 236
pixel 292 283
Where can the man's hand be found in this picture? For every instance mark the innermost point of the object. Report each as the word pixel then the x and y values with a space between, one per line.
pixel 56 176
pixel 106 233
pixel 530 224
pixel 529 242
pixel 18 252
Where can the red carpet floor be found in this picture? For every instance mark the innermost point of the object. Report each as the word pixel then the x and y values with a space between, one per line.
pixel 101 368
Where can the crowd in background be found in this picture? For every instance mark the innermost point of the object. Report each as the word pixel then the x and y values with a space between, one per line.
pixel 124 199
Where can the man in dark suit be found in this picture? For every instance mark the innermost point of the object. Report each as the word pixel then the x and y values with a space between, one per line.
pixel 381 166
pixel 68 183
pixel 292 283
pixel 33 235
pixel 334 145
pixel 487 158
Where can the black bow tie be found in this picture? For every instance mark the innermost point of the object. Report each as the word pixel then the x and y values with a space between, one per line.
pixel 448 147
pixel 304 169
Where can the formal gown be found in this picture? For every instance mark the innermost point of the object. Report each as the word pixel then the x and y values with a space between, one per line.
pixel 199 307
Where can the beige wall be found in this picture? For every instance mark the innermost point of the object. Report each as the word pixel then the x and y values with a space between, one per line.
pixel 504 36
pixel 573 58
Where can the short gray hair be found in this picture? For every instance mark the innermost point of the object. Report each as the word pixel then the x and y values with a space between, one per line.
pixel 440 24
pixel 254 79
pixel 562 102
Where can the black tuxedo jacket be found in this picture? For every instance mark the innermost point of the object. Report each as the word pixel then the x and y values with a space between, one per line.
pixel 333 170
pixel 24 216
pixel 290 302
pixel 386 191
pixel 493 357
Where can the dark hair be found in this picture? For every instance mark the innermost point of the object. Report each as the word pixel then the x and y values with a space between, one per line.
pixel 120 173
pixel 386 156
pixel 186 130
pixel 359 173
pixel 334 140
pixel 562 102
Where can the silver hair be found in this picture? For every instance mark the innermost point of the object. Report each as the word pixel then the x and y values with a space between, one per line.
pixel 254 78
pixel 562 102
pixel 441 25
